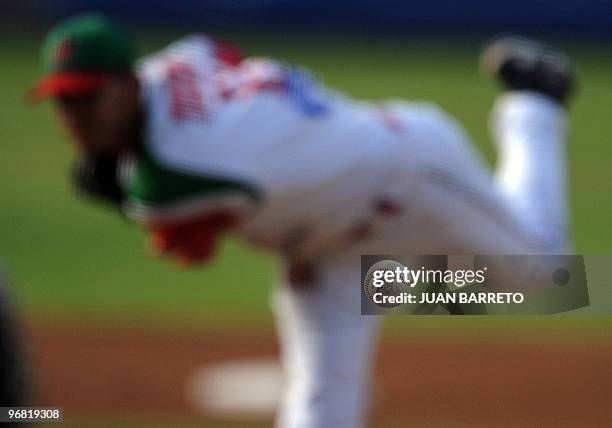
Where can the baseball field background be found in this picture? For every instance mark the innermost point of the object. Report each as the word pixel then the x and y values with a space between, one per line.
pixel 78 267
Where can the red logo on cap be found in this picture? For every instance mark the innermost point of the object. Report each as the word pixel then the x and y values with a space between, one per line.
pixel 63 50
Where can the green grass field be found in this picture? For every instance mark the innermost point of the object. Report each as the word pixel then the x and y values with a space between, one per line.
pixel 73 261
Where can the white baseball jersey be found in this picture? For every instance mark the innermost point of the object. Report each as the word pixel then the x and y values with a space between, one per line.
pixel 303 166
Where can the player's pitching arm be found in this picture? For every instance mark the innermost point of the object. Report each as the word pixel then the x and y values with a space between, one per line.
pixel 185 214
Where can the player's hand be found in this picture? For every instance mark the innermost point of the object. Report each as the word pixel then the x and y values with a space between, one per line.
pixel 191 241
pixel 96 177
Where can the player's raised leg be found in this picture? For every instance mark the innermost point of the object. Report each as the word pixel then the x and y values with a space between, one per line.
pixel 456 206
pixel 529 126
pixel 327 347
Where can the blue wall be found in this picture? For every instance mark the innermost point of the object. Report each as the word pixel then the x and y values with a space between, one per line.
pixel 561 15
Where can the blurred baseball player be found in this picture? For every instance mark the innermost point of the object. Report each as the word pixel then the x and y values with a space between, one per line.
pixel 14 377
pixel 195 141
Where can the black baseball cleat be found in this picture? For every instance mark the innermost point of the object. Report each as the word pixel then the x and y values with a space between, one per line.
pixel 525 64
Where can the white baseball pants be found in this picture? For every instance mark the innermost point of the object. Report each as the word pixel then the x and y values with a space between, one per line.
pixel 454 206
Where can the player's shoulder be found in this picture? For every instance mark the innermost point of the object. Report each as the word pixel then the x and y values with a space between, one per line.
pixel 200 51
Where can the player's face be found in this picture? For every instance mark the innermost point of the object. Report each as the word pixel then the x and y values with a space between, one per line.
pixel 102 121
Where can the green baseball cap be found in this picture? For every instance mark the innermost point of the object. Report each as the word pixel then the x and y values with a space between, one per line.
pixel 79 54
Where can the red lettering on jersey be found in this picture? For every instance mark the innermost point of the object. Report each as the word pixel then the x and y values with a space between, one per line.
pixel 186 100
